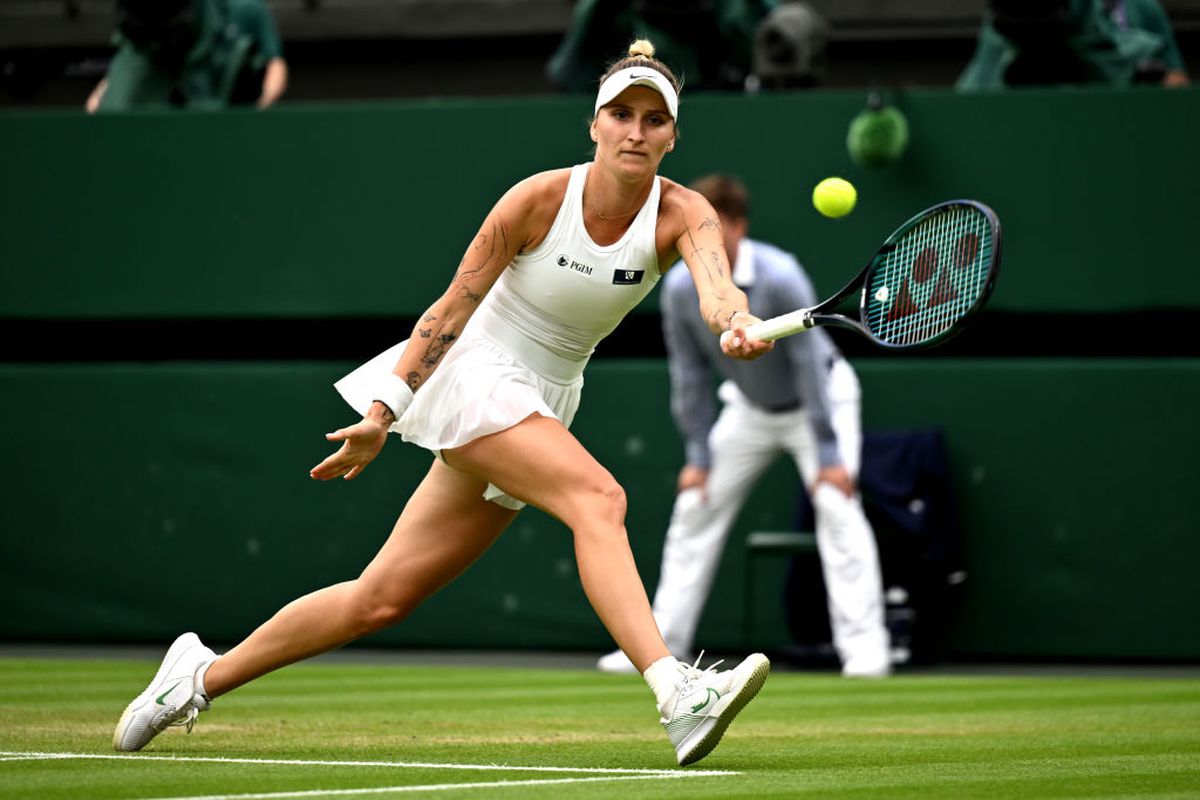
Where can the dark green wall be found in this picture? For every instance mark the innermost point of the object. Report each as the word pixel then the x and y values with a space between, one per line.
pixel 180 498
pixel 294 212
pixel 1075 475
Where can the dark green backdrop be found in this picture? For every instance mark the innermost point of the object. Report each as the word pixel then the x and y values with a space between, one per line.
pixel 316 211
pixel 143 498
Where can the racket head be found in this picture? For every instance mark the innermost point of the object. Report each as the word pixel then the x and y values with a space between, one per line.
pixel 931 274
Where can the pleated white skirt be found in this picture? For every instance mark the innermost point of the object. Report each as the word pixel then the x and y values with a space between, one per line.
pixel 478 389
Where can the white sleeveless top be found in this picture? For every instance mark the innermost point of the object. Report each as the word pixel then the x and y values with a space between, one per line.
pixel 552 305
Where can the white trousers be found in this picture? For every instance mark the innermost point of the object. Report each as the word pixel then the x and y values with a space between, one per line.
pixel 744 442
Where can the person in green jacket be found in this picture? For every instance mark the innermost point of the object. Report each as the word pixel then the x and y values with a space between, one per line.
pixel 710 43
pixel 200 54
pixel 1113 42
pixel 1148 16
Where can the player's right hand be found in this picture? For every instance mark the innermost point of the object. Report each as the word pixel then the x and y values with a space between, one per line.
pixel 361 442
pixel 736 344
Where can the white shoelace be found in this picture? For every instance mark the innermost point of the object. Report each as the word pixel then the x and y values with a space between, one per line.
pixel 197 704
pixel 188 719
pixel 691 675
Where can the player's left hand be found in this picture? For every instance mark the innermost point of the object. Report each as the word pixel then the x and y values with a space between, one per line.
pixel 738 345
pixel 361 442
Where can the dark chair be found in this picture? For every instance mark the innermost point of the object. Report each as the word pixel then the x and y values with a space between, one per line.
pixel 909 499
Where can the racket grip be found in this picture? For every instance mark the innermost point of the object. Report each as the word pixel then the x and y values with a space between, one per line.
pixel 776 327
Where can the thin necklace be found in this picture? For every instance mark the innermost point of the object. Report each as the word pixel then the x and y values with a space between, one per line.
pixel 609 218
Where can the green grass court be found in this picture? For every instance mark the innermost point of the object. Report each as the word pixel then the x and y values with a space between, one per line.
pixel 326 729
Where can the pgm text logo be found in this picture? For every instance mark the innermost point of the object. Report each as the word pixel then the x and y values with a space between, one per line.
pixel 572 264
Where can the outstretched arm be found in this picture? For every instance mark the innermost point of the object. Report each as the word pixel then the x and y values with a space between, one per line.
pixel 503 234
pixel 722 304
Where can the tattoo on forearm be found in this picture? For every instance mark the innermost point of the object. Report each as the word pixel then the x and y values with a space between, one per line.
pixel 413 379
pixel 710 224
pixel 718 262
pixel 425 333
pixel 435 351
pixel 713 257
pixel 720 318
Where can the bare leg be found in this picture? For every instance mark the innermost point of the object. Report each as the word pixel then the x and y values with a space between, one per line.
pixel 445 526
pixel 542 463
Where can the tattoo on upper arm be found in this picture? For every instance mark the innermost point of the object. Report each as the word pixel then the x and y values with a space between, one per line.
pixel 486 248
pixel 502 229
pixel 693 248
pixel 713 257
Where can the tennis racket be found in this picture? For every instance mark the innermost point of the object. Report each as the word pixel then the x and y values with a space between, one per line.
pixel 919 289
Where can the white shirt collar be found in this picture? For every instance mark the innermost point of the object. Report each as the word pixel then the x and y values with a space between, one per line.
pixel 743 268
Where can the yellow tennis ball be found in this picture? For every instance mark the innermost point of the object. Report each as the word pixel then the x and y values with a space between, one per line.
pixel 834 197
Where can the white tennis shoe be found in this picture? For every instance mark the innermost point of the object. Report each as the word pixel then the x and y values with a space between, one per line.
pixel 172 698
pixel 867 667
pixel 706 701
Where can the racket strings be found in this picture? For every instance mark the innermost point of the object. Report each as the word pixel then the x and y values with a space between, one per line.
pixel 931 278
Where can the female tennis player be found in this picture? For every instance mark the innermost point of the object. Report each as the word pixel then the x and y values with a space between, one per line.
pixel 489 381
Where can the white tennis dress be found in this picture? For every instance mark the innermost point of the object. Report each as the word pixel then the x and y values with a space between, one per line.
pixel 524 349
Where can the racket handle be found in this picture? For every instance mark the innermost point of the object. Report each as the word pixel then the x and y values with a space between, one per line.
pixel 776 327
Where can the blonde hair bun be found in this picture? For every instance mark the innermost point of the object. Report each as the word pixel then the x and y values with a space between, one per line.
pixel 643 48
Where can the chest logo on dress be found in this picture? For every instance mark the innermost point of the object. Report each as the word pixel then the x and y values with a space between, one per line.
pixel 573 265
pixel 628 277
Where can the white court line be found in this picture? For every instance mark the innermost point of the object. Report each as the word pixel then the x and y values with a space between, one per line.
pixel 429 787
pixel 606 774
pixel 16 755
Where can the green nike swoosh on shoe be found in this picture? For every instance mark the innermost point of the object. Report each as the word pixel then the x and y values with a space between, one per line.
pixel 171 698
pixel 695 734
pixel 159 699
pixel 713 696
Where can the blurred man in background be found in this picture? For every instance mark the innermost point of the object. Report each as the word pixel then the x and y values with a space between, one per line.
pixel 192 54
pixel 802 399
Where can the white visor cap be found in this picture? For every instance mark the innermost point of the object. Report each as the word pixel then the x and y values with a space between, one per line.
pixel 637 76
